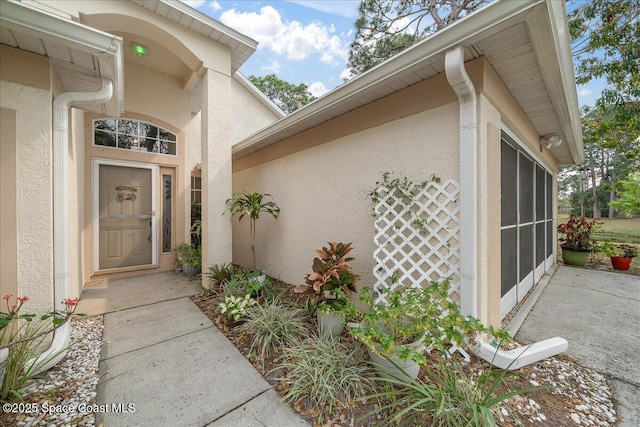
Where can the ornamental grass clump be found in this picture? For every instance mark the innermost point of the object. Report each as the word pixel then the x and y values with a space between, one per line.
pixel 324 374
pixel 272 325
pixel 449 395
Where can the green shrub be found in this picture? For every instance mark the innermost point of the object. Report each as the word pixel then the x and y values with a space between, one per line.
pixel 325 374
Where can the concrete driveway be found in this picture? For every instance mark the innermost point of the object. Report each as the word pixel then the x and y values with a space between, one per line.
pixel 598 313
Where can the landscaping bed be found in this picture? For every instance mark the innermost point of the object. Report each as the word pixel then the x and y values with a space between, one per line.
pixel 567 395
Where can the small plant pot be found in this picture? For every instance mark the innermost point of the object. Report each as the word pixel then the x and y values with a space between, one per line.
pixel 330 324
pixel 621 263
pixel 393 368
pixel 573 257
pixel 190 271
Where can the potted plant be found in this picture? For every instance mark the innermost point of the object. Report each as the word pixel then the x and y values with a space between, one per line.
pixel 181 253
pixel 411 320
pixel 329 287
pixel 192 263
pixel 244 203
pixel 576 244
pixel 626 253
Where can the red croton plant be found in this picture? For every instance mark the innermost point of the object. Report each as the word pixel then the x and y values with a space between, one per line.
pixel 330 272
pixel 577 233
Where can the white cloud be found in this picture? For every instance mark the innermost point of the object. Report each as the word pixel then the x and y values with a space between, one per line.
pixel 346 74
pixel 317 89
pixel 193 3
pixel 585 92
pixel 293 39
pixel 274 67
pixel 348 8
pixel 215 6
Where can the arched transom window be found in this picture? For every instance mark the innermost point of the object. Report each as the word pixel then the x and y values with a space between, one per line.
pixel 135 135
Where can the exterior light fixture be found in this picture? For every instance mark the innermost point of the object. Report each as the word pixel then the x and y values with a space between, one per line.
pixel 139 50
pixel 551 141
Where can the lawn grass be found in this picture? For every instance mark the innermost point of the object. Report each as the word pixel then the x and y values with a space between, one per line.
pixel 624 230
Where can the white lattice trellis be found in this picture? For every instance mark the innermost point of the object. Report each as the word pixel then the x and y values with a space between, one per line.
pixel 418 238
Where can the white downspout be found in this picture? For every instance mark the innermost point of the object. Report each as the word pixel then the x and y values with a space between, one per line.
pixel 511 359
pixel 466 92
pixel 61 105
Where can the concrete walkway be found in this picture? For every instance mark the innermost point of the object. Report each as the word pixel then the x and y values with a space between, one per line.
pixel 168 364
pixel 598 312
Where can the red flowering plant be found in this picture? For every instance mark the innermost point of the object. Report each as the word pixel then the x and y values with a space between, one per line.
pixel 10 327
pixel 577 233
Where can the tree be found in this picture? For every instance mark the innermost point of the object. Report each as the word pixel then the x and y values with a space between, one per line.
pixel 606 44
pixel 386 27
pixel 284 94
pixel 244 203
pixel 629 201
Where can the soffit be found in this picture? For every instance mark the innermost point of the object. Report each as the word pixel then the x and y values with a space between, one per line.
pixel 241 46
pixel 79 54
pixel 507 46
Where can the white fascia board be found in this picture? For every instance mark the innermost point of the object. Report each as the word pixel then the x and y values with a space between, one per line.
pixel 569 91
pixel 466 31
pixel 215 25
pixel 107 48
pixel 246 83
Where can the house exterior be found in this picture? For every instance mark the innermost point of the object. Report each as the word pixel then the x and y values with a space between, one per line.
pixel 116 115
pixel 104 150
pixel 482 103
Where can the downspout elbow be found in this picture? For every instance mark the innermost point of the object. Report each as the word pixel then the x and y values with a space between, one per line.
pixel 61 105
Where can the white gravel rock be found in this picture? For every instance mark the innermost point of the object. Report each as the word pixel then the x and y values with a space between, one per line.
pixel 73 380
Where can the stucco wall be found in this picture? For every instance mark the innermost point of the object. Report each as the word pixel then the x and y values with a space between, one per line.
pixel 249 114
pixel 34 192
pixel 322 190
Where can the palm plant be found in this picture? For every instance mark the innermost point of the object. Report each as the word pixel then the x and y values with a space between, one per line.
pixel 244 203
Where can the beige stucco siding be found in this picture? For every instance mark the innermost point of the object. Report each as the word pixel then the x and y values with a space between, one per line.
pixel 322 189
pixel 248 113
pixel 34 192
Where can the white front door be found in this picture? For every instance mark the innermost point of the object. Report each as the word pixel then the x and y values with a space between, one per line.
pixel 125 216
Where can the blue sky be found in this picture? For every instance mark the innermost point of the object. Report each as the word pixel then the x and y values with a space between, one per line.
pixel 305 41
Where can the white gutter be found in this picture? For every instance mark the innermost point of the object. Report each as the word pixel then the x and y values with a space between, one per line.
pixel 61 105
pixel 466 92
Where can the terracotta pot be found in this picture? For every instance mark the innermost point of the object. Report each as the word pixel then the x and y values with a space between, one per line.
pixel 621 263
pixel 573 257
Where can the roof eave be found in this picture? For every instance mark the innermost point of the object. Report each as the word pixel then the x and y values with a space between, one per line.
pixel 463 31
pixel 249 45
pixel 246 83
pixel 105 47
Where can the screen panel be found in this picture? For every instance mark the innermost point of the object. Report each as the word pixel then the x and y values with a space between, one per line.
pixel 526 250
pixel 509 184
pixel 509 256
pixel 525 187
